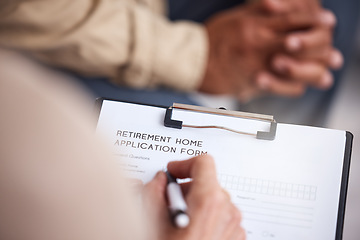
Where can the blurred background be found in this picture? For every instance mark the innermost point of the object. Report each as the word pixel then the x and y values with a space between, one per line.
pixel 345 115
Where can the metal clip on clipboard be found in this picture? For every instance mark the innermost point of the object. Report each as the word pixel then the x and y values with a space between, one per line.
pixel 169 122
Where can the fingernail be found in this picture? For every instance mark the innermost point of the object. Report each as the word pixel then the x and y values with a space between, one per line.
pixel 336 60
pixel 275 4
pixel 280 65
pixel 159 174
pixel 293 44
pixel 263 81
pixel 327 18
pixel 327 80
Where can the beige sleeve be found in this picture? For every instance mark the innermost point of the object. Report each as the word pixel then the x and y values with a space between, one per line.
pixel 57 181
pixel 121 39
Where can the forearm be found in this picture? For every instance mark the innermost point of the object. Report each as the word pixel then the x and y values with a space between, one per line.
pixel 122 40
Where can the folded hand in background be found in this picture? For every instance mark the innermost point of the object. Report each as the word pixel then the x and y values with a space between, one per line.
pixel 278 47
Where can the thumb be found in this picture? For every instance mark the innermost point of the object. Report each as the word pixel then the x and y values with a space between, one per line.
pixel 156 187
pixel 154 194
pixel 155 205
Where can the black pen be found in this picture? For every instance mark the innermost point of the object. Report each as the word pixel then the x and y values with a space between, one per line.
pixel 177 204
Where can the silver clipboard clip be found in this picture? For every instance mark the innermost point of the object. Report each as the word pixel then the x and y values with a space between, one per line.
pixel 169 122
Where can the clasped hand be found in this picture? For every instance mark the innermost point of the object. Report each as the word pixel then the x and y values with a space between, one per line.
pixel 276 47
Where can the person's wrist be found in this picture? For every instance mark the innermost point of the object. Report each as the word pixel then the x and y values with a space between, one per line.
pixel 210 83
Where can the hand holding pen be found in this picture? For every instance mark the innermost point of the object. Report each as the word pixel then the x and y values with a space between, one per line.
pixel 210 211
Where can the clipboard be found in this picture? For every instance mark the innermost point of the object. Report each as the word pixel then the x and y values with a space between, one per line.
pixel 270 135
pixel 171 122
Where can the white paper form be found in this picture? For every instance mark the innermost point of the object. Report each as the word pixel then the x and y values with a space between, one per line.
pixel 287 188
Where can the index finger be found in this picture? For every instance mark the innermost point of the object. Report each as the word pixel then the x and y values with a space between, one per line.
pixel 293 21
pixel 308 40
pixel 200 168
pixel 283 6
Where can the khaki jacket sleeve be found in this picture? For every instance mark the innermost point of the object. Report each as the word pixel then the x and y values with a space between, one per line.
pixel 121 39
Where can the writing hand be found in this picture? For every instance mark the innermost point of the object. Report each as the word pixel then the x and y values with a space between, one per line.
pixel 212 215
